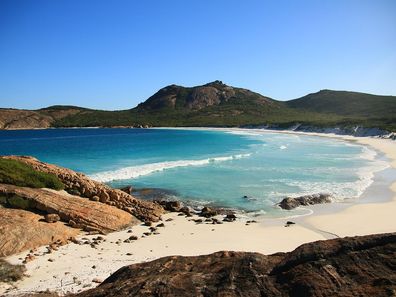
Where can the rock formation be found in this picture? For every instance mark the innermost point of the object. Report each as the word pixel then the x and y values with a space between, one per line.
pixel 77 212
pixel 31 217
pixel 80 185
pixel 357 266
pixel 290 203
pixel 23 230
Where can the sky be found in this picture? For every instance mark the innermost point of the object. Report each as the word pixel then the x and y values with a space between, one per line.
pixel 115 54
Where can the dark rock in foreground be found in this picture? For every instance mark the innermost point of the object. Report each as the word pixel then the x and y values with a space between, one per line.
pixel 290 203
pixel 357 266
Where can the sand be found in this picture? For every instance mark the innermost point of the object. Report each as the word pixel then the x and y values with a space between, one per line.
pixel 76 267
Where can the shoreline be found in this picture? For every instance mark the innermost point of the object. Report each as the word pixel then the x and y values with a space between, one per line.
pixel 72 267
pixel 359 217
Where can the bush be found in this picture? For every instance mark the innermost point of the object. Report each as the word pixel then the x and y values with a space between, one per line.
pixel 19 174
pixel 10 273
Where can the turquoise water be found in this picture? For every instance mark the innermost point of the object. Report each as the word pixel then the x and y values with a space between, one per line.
pixel 243 170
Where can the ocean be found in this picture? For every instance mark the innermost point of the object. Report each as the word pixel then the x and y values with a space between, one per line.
pixel 244 170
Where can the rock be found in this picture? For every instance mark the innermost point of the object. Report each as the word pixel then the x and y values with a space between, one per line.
pixel 104 197
pixel 230 217
pixel 290 203
pixel 72 224
pixel 355 266
pixel 73 192
pixel 186 210
pixel 249 198
pixel 173 206
pixel 289 223
pixel 127 189
pixel 133 237
pixel 79 213
pixel 51 218
pixel 97 280
pixel 22 230
pixel 94 198
pixel 208 212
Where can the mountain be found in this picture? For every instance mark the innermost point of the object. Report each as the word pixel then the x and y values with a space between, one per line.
pixel 196 98
pixel 220 105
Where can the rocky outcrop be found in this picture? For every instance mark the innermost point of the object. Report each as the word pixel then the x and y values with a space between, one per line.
pixel 22 230
pixel 358 266
pixel 209 95
pixel 23 119
pixel 77 212
pixel 199 97
pixel 80 185
pixel 290 203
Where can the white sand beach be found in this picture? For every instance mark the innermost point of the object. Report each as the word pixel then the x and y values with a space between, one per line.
pixel 77 267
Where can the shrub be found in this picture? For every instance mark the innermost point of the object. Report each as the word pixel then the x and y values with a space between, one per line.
pixel 19 174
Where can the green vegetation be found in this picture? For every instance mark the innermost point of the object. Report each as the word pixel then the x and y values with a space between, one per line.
pixel 351 104
pixel 10 273
pixel 173 106
pixel 19 174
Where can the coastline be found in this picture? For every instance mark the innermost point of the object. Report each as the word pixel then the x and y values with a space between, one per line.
pixel 72 269
pixel 354 219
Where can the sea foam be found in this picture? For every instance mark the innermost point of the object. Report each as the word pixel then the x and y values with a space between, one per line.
pixel 140 170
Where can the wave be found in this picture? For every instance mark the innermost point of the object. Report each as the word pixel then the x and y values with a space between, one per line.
pixel 140 170
pixel 363 178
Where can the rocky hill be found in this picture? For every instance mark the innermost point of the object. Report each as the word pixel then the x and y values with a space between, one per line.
pixel 196 98
pixel 217 104
pixel 31 119
pixel 357 266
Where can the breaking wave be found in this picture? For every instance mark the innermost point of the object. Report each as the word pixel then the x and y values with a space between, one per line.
pixel 140 170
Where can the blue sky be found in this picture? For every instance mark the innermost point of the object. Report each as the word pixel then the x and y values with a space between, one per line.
pixel 115 54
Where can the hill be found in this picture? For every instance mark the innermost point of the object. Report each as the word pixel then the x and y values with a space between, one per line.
pixel 30 119
pixel 196 98
pixel 212 104
pixel 352 104
pixel 217 104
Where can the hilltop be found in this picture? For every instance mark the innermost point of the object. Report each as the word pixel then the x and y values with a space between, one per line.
pixel 218 104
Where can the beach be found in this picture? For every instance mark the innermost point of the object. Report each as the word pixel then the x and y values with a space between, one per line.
pixel 76 267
